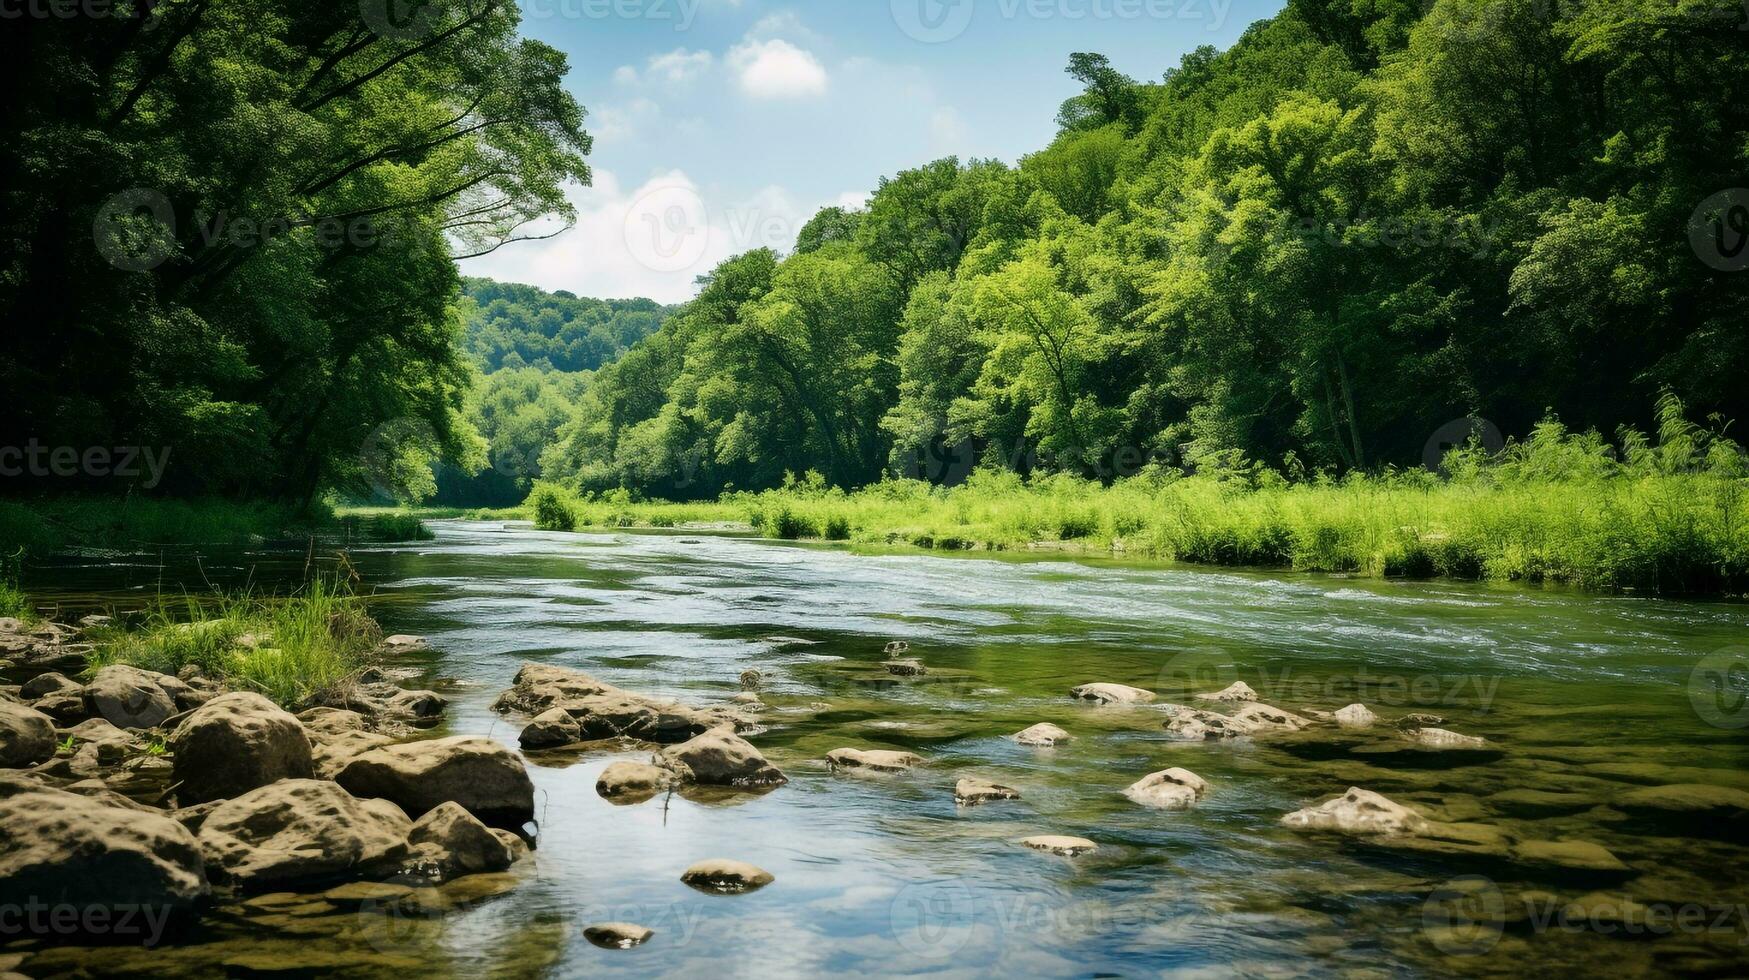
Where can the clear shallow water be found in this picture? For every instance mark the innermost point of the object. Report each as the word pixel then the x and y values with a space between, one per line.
pixel 1587 696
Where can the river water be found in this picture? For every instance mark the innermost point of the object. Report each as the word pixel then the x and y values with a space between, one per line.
pixel 1582 698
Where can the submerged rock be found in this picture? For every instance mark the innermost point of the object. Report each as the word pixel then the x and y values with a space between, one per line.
pixel 976 792
pixel 478 773
pixel 1355 716
pixel 1690 809
pixel 66 849
pixel 1168 789
pixel 727 877
pixel 877 760
pixel 1569 855
pixel 1358 812
pixel 1236 691
pixel 301 831
pixel 617 935
pixel 1043 735
pixel 1439 738
pixel 1112 694
pixel 235 743
pixel 1059 845
pixel 750 679
pixel 905 668
pixel 27 736
pixel 721 758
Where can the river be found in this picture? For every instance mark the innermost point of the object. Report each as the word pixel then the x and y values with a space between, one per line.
pixel 1581 697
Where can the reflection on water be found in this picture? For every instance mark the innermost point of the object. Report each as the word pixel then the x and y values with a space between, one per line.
pixel 1584 698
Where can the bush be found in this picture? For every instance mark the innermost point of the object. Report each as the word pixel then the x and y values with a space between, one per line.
pixel 551 512
pixel 837 528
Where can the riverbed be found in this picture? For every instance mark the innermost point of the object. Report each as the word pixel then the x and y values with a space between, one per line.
pixel 1580 697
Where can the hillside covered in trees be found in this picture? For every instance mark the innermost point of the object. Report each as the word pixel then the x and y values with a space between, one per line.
pixel 1309 252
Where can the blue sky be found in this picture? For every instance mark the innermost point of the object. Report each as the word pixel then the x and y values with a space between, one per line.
pixel 723 125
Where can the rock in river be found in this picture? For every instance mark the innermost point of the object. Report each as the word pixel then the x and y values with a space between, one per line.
pixel 633 782
pixel 1357 812
pixel 1043 735
pixel 448 842
pixel 1168 789
pixel 720 758
pixel 235 743
pixel 550 729
pixel 1112 694
pixel 1355 716
pixel 1064 846
pixel 300 831
pixel 27 736
pixel 617 935
pixel 1236 691
pixel 976 792
pixel 63 848
pixel 727 877
pixel 874 760
pixel 481 775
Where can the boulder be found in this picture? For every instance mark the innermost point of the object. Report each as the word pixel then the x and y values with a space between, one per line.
pixel 1043 735
pixel 66 849
pixel 1355 716
pixel 876 760
pixel 128 697
pixel 720 758
pixel 484 777
pixel 538 687
pixel 1205 725
pixel 603 711
pixel 299 832
pixel 46 684
pixel 616 935
pixel 1419 719
pixel 727 877
pixel 186 696
pixel 976 792
pixel 101 732
pixel 1357 812
pixel 448 843
pixel 403 643
pixel 27 736
pixel 329 753
pixel 1059 845
pixel 1168 789
pixel 1263 718
pixel 1236 691
pixel 1112 694
pixel 235 743
pixel 551 728
pixel 66 707
pixel 633 781
pixel 332 721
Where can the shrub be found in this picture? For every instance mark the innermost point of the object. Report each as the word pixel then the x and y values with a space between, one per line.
pixel 551 512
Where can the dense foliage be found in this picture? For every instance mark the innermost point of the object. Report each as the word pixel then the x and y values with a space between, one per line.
pixel 230 229
pixel 1310 251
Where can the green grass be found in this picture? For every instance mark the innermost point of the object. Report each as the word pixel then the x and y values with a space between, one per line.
pixel 386 527
pixel 287 648
pixel 1669 515
pixel 43 525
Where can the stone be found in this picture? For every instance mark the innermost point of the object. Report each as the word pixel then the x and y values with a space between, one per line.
pixel 49 683
pixel 896 648
pixel 876 760
pixel 403 643
pixel 1419 720
pixel 538 687
pixel 449 842
pixel 1059 845
pixel 551 728
pixel 128 697
pixel 1263 718
pixel 1112 694
pixel 1236 691
pixel 1043 735
pixel 235 743
pixel 27 736
pixel 1690 809
pixel 976 792
pixel 1168 789
pixel 186 696
pixel 514 845
pixel 330 753
pixel 1570 855
pixel 726 877
pixel 1537 804
pixel 332 721
pixel 750 679
pixel 1205 725
pixel 1355 716
pixel 1439 738
pixel 301 831
pixel 66 707
pixel 637 780
pixel 1357 812
pixel 617 935
pixel 720 758
pixel 905 668
pixel 484 777
pixel 67 849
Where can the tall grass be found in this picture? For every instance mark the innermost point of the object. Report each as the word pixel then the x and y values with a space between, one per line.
pixel 1666 512
pixel 47 524
pixel 287 648
pixel 14 603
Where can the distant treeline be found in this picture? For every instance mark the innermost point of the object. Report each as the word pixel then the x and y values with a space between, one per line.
pixel 1313 251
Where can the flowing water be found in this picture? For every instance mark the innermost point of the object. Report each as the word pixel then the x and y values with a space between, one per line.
pixel 1582 698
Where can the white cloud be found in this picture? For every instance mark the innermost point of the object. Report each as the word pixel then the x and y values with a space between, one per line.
pixel 777 69
pixel 619 123
pixel 675 67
